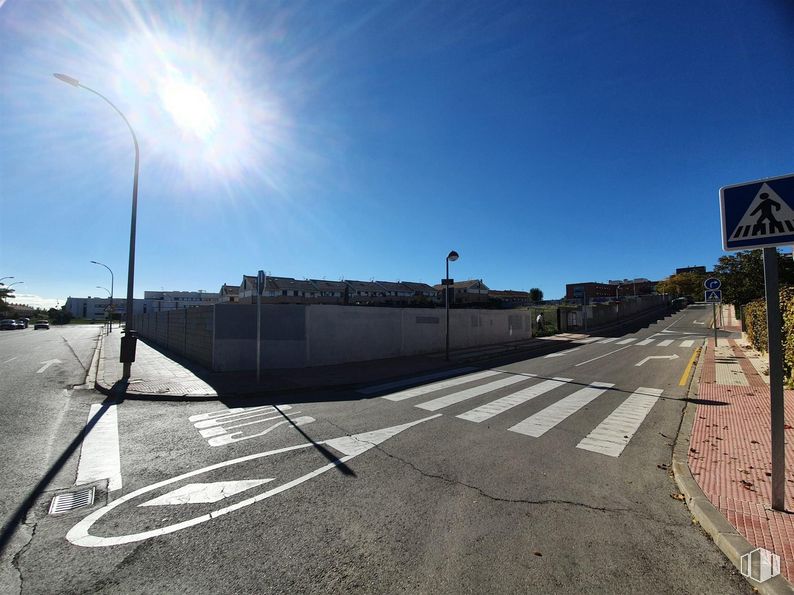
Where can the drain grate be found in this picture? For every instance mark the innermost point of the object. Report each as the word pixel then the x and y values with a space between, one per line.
pixel 72 500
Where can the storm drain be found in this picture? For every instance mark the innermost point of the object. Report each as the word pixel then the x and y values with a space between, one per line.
pixel 72 500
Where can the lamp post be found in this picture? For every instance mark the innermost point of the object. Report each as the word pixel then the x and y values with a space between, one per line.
pixel 1 278
pixel 17 283
pixel 110 326
pixel 110 295
pixel 452 256
pixel 128 341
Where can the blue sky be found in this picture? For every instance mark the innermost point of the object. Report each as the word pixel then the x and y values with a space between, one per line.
pixel 546 142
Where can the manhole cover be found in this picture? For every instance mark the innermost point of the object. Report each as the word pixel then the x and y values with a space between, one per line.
pixel 72 500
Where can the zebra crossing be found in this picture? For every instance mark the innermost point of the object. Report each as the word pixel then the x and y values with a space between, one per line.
pixel 609 437
pixel 652 341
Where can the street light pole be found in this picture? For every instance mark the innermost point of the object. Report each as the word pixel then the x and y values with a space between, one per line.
pixel 128 341
pixel 110 329
pixel 453 256
pixel 110 321
pixel 1 278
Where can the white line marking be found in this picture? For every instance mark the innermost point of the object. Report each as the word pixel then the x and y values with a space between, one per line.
pixel 687 343
pixel 547 418
pixel 10 360
pixel 665 343
pixel 589 340
pixel 429 388
pixel 470 393
pixel 561 353
pixel 228 413
pixel 645 342
pixel 608 340
pixel 416 380
pixel 498 406
pixel 228 438
pixel 47 364
pixel 613 434
pixel 79 535
pixel 626 341
pixel 600 356
pixel 650 357
pixel 203 493
pixel 99 455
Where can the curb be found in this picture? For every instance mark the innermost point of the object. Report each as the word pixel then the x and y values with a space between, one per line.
pixel 725 536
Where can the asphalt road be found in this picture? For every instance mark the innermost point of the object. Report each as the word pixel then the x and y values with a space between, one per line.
pixel 547 474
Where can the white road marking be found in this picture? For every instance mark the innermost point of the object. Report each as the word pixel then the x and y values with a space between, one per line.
pixel 228 438
pixel 561 353
pixel 612 435
pixel 589 340
pixel 203 493
pixel 609 340
pixel 665 343
pixel 698 322
pixel 687 343
pixel 213 418
pixel 10 360
pixel 99 455
pixel 489 410
pixel 47 364
pixel 429 388
pixel 650 357
pixel 626 341
pixel 470 393
pixel 600 356
pixel 544 420
pixel 416 380
pixel 356 444
pixel 645 342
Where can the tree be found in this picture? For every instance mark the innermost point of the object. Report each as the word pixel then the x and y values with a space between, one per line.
pixel 683 284
pixel 742 275
pixel 62 316
pixel 5 293
pixel 535 294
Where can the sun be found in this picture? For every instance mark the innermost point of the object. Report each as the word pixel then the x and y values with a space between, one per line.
pixel 190 107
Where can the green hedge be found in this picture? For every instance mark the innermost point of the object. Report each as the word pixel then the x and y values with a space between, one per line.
pixel 755 320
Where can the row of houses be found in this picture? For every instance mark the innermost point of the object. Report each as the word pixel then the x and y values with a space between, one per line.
pixel 286 290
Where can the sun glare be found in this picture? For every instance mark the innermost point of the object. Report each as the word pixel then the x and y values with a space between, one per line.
pixel 190 107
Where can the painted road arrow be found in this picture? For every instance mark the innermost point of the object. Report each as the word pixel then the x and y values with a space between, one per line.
pixel 47 364
pixel 657 357
pixel 194 494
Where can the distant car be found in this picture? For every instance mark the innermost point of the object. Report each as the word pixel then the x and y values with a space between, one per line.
pixel 41 324
pixel 8 324
pixel 25 321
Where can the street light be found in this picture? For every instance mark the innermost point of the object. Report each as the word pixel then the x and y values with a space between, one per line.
pixel 1 278
pixel 128 340
pixel 452 256
pixel 110 329
pixel 17 283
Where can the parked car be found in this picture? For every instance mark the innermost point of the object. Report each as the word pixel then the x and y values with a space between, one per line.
pixel 41 324
pixel 25 321
pixel 8 324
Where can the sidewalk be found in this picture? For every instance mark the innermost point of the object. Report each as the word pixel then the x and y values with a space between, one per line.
pixel 729 451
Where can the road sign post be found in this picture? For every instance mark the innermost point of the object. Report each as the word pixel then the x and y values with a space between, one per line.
pixel 760 214
pixel 713 295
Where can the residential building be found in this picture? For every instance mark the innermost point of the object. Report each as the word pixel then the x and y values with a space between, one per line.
pixel 229 294
pixel 509 298
pixel 465 293
pixel 593 291
pixel 701 270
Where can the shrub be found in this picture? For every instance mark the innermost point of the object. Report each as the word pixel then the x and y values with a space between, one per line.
pixel 755 320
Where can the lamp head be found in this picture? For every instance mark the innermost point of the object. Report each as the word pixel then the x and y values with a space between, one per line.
pixel 66 79
pixel 453 256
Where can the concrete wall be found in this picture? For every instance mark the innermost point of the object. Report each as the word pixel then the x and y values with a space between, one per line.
pixel 223 337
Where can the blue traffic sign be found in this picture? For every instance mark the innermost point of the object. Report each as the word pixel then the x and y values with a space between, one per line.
pixel 758 214
pixel 712 283
pixel 713 295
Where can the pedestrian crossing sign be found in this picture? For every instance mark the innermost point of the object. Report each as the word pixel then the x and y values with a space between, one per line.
pixel 714 295
pixel 758 214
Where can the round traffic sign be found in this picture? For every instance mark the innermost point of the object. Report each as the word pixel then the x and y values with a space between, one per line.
pixel 712 283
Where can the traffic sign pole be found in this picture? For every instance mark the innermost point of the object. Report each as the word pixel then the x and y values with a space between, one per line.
pixel 773 329
pixel 714 311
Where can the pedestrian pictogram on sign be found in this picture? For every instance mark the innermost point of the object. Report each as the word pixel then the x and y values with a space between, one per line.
pixel 758 214
pixel 714 295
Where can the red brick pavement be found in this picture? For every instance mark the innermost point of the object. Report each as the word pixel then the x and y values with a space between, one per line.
pixel 730 457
